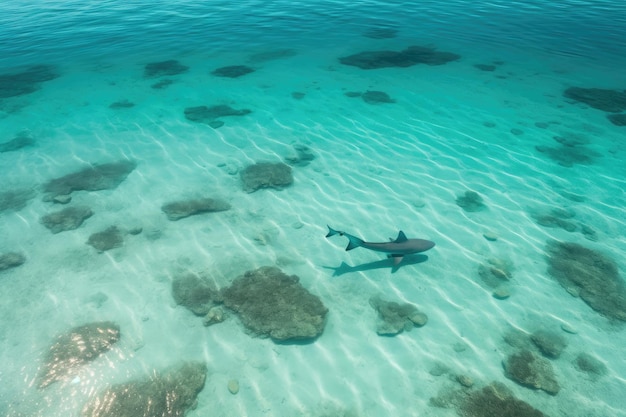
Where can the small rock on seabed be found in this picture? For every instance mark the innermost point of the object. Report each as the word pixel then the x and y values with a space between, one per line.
pixel 490 236
pixel 233 386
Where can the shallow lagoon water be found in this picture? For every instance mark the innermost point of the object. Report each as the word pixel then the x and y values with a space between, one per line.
pixel 371 152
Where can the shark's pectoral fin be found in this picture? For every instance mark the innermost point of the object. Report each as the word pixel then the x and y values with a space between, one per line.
pixel 397 259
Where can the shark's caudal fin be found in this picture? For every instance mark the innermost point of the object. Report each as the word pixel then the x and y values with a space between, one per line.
pixel 333 232
pixel 354 242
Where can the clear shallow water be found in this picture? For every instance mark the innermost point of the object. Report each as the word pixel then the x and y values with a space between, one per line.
pixel 377 168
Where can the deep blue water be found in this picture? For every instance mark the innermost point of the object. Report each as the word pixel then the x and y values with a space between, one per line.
pixel 55 31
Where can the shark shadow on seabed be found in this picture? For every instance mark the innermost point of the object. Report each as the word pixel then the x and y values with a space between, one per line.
pixel 344 268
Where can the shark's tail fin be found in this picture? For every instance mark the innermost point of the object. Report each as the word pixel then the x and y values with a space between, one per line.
pixel 355 242
pixel 333 232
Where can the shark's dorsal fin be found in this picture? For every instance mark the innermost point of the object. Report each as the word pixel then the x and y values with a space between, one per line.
pixel 401 237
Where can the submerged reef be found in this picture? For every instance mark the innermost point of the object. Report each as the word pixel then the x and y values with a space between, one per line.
pixel 232 71
pixel 590 275
pixel 496 274
pixel 376 97
pixel 564 219
pixel 121 104
pixel 272 304
pixel 610 101
pixel 531 371
pixel 11 260
pixel 27 81
pixel 266 175
pixel 177 210
pixel 15 200
pixel 569 156
pixel 485 67
pixel 211 115
pixel 21 140
pixel 493 400
pixel 195 293
pixel 371 97
pixel 159 394
pixel 572 150
pixel 617 119
pixel 69 218
pixel 412 55
pixel 93 178
pixel 550 344
pixel 164 68
pixel 110 238
pixel 394 318
pixel 590 365
pixel 77 347
pixel 471 201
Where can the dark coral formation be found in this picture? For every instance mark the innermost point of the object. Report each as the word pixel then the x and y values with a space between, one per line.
pixel 531 371
pixel 551 344
pixel 413 55
pixel 471 201
pixel 11 260
pixel 572 139
pixel 394 318
pixel 572 150
pixel 164 68
pixel 556 218
pixel 69 218
pixel 569 156
pixel 211 115
pixel 27 81
pixel 93 178
pixel 76 348
pixel 110 238
pixel 15 200
pixel 495 400
pixel 121 104
pixel 160 85
pixel 495 272
pixel 617 119
pixel 232 71
pixel 485 67
pixel 21 140
pixel 376 97
pixel 195 293
pixel 164 394
pixel 266 175
pixel 590 275
pixel 177 210
pixel 271 303
pixel 611 101
pixel 590 365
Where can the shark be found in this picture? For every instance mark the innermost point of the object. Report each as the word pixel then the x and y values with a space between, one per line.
pixel 395 249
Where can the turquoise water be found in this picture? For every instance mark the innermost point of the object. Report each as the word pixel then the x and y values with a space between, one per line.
pixel 493 129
